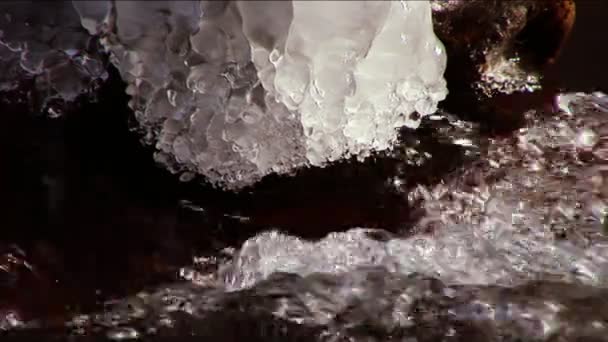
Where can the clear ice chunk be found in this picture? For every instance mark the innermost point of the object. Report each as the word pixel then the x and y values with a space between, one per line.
pixel 238 90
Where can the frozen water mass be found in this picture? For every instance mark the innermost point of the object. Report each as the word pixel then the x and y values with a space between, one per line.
pixel 237 90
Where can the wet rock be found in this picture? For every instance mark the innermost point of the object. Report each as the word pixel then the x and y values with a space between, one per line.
pixel 498 50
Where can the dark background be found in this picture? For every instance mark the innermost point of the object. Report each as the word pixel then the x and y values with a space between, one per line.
pixel 583 64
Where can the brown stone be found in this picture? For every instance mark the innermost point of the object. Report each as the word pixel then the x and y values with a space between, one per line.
pixel 499 48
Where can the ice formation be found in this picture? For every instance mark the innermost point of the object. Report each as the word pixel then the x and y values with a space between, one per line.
pixel 48 46
pixel 238 90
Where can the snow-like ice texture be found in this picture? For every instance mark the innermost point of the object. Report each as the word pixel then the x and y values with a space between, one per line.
pixel 44 41
pixel 238 90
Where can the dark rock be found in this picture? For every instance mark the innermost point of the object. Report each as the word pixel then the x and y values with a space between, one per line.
pixel 498 51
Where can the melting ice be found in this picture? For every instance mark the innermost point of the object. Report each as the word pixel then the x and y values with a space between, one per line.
pixel 236 90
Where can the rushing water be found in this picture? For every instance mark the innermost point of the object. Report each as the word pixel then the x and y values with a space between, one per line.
pixel 508 246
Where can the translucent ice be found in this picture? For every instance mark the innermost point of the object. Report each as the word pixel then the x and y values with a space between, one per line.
pixel 238 90
pixel 43 42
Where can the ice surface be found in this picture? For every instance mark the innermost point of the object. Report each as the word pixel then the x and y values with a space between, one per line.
pixel 49 46
pixel 238 90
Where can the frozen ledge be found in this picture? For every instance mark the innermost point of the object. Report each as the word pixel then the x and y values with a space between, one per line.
pixel 238 90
